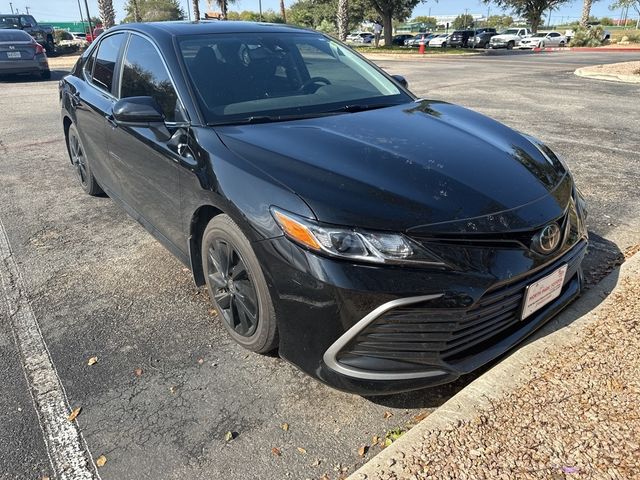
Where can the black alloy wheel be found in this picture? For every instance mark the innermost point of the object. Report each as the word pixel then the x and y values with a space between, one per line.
pixel 237 286
pixel 233 290
pixel 78 157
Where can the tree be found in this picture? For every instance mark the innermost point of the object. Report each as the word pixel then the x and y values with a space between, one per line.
pixel 342 18
pixel 392 9
pixel 499 21
pixel 283 12
pixel 196 9
pixel 153 10
pixel 532 10
pixel 223 5
pixel 635 4
pixel 314 13
pixel 107 13
pixel 463 21
pixel 586 11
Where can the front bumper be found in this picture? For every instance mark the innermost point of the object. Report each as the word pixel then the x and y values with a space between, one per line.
pixel 371 329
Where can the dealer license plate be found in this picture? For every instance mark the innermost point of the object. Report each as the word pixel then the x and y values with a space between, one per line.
pixel 543 291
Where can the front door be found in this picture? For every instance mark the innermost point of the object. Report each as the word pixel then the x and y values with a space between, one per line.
pixel 148 161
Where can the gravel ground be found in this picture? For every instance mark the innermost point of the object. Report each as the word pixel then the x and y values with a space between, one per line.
pixel 624 68
pixel 578 417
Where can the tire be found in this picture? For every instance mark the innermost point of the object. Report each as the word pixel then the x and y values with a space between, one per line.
pixel 228 262
pixel 561 44
pixel 45 74
pixel 510 45
pixel 81 166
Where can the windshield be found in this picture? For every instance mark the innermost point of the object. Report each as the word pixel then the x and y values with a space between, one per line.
pixel 510 31
pixel 539 35
pixel 246 75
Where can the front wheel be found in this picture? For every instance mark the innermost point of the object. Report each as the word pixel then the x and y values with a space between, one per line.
pixel 237 286
pixel 510 45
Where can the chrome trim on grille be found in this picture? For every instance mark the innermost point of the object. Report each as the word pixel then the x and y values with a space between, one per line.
pixel 331 361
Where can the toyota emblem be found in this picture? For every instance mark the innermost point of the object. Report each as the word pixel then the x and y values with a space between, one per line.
pixel 548 239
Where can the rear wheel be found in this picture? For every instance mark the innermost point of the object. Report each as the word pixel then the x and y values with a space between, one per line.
pixel 45 74
pixel 237 286
pixel 78 158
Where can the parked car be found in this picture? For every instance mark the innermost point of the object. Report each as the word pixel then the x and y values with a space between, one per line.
pixel 43 34
pixel 68 40
pixel 460 38
pixel 300 194
pixel 481 39
pixel 361 37
pixel 20 53
pixel 416 39
pixel 509 38
pixel 543 39
pixel 606 34
pixel 400 39
pixel 439 41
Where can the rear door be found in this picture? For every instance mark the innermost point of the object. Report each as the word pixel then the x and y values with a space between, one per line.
pixel 93 100
pixel 148 164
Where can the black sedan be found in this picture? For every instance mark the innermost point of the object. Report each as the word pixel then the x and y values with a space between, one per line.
pixel 381 243
pixel 20 53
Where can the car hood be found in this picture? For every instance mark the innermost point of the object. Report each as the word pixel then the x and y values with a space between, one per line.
pixel 407 167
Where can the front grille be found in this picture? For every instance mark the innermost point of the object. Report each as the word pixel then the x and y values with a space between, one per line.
pixel 422 335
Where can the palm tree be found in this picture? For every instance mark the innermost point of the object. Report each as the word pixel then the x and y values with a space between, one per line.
pixel 343 19
pixel 107 13
pixel 586 12
pixel 283 12
pixel 196 9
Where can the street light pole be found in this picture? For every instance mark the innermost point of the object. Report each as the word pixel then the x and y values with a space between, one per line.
pixel 81 16
pixel 260 8
pixel 86 6
pixel 11 5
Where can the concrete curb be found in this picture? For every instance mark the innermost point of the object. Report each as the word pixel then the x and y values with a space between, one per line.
pixel 505 377
pixel 586 72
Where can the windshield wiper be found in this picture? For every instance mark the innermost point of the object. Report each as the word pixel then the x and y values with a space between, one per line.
pixel 269 119
pixel 362 107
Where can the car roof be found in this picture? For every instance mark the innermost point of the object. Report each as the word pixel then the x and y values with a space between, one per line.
pixel 178 28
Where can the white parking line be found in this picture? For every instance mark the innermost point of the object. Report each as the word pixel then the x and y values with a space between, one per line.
pixel 67 450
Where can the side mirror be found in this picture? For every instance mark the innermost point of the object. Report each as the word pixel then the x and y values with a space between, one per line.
pixel 138 112
pixel 401 80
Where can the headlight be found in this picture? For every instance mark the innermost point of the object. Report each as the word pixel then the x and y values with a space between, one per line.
pixel 353 243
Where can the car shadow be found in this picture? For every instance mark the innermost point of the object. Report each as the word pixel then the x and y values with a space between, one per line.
pixel 603 256
pixel 33 78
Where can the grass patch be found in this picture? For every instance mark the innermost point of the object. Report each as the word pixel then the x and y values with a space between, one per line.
pixel 634 35
pixel 410 51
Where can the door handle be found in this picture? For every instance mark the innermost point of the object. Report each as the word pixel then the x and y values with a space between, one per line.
pixel 75 99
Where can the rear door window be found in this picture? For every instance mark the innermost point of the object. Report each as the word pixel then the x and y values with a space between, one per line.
pixel 105 61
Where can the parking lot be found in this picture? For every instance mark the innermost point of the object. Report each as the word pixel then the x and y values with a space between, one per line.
pixel 168 383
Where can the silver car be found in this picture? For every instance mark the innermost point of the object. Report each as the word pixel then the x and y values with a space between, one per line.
pixel 20 53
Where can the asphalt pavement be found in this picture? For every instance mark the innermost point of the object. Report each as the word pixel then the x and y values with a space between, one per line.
pixel 168 384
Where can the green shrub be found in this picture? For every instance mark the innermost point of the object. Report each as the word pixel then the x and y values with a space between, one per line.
pixel 587 37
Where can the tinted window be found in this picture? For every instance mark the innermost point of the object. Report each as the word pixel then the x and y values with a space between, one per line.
pixel 237 76
pixel 144 75
pixel 14 36
pixel 9 22
pixel 105 62
pixel 88 65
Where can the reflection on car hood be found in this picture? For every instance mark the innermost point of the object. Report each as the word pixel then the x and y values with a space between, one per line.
pixel 406 166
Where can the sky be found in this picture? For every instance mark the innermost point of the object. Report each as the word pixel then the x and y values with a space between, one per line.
pixel 67 10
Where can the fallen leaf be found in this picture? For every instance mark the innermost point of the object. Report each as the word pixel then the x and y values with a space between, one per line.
pixel 173 389
pixel 276 451
pixel 200 361
pixel 316 463
pixel 285 427
pixel 74 413
pixel 46 477
pixel 228 436
pixel 101 461
pixel 387 415
pixel 213 312
pixel 302 450
pixel 325 477
pixel 375 439
pixel 138 372
pixel 363 450
pixel 92 361
pixel 185 269
pixel 421 416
